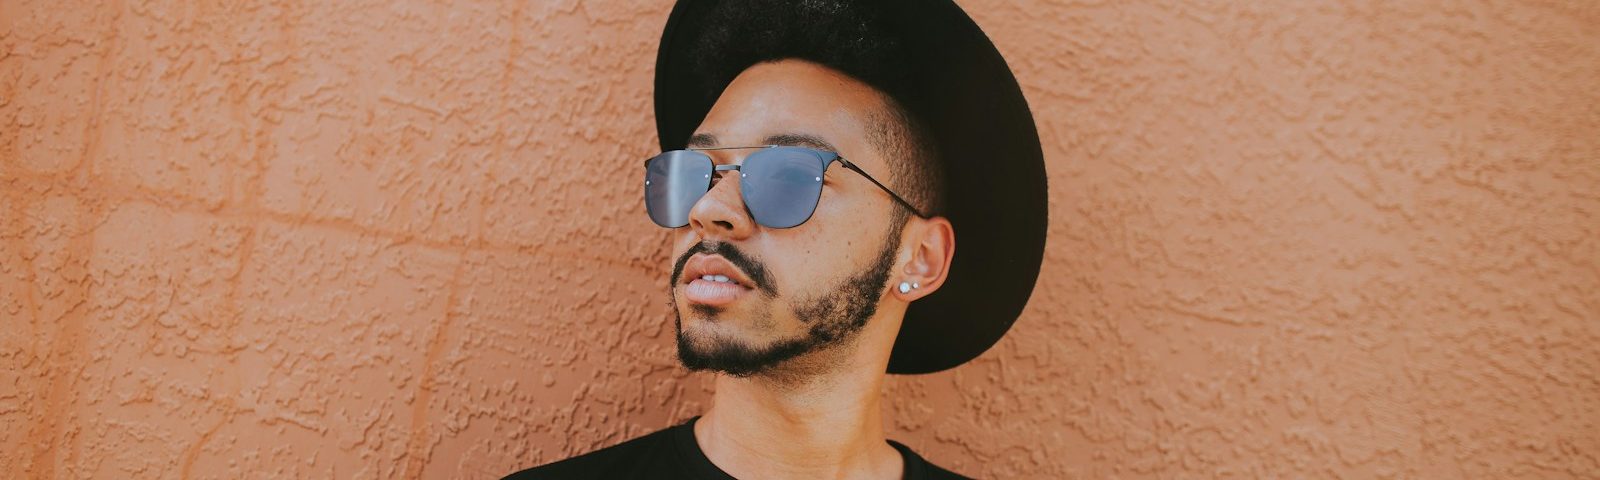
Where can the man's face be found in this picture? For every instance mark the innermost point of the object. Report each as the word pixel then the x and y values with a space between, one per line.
pixel 792 291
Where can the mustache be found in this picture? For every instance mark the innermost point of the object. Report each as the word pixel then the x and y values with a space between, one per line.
pixel 751 267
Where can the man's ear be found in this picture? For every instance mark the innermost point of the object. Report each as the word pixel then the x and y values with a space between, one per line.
pixel 931 243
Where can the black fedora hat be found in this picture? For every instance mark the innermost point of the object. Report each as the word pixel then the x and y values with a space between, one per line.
pixel 935 62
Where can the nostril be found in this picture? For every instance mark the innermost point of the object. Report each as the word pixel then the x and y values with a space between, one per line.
pixel 724 224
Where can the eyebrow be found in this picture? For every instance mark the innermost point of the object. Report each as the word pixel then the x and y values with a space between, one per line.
pixel 800 140
pixel 701 140
pixel 706 140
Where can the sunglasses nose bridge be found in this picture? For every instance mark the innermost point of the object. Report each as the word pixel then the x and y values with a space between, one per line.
pixel 720 174
pixel 722 207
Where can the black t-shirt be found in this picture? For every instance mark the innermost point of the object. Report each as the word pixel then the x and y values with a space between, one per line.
pixel 674 453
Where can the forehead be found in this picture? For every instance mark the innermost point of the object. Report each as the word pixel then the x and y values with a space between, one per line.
pixel 788 99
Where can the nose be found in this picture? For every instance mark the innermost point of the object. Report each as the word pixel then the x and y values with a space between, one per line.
pixel 721 213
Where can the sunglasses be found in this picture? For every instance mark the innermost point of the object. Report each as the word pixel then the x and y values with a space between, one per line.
pixel 781 185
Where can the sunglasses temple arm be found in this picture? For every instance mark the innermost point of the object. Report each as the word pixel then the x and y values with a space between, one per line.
pixel 891 193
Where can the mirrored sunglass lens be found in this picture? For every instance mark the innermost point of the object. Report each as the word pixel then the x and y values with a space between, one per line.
pixel 781 186
pixel 673 182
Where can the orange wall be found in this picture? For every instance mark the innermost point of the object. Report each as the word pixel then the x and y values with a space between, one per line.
pixel 353 240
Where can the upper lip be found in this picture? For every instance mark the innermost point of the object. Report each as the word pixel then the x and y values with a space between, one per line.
pixel 701 265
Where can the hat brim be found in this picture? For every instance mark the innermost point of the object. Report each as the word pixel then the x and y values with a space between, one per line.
pixel 995 196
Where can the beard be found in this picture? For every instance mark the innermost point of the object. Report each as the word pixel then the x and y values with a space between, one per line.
pixel 832 318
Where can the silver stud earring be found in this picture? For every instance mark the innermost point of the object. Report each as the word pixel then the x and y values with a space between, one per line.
pixel 915 285
pixel 905 287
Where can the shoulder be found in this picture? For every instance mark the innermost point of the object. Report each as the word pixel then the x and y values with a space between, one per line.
pixel 636 458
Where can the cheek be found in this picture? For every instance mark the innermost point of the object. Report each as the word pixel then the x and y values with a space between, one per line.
pixel 801 262
pixel 853 229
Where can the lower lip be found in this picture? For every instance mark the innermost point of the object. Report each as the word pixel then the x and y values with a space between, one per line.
pixel 712 293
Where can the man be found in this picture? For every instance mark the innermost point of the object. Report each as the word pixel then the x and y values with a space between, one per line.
pixel 821 159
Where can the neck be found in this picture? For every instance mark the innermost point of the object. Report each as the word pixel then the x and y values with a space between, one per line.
pixel 817 424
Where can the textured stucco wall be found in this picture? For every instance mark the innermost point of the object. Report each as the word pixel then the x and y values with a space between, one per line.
pixel 342 239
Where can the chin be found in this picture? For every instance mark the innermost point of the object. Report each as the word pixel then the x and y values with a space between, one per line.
pixel 699 351
pixel 705 345
pixel 704 336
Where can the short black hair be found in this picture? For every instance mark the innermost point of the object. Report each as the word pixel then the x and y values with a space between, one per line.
pixel 843 36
